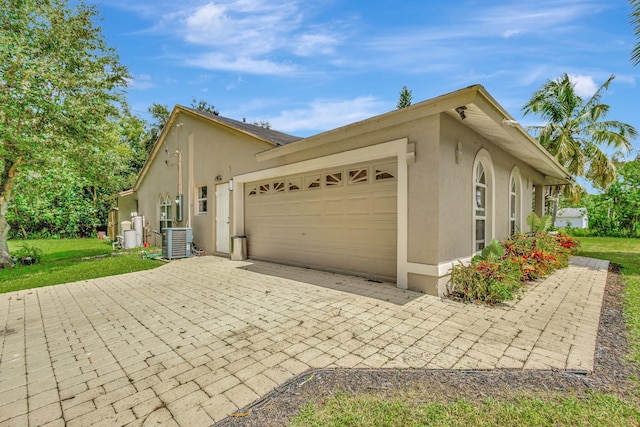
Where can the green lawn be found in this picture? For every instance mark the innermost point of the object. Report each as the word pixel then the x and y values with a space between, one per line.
pixel 626 253
pixel 348 411
pixel 62 263
pixel 593 410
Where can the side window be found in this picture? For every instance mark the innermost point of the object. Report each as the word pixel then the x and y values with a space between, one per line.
pixel 480 207
pixel 166 209
pixel 202 200
pixel 483 200
pixel 515 202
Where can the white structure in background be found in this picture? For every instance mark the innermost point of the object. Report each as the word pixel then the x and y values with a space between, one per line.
pixel 572 217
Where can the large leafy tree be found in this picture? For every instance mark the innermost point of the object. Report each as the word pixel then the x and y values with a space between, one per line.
pixel 576 132
pixel 60 89
pixel 616 211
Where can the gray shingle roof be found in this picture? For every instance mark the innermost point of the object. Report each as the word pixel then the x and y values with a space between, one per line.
pixel 279 138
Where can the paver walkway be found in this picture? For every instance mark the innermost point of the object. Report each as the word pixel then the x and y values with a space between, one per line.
pixel 192 341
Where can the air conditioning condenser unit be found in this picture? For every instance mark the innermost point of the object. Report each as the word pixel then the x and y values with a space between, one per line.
pixel 176 242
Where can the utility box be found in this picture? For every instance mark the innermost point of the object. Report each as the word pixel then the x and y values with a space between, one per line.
pixel 176 242
pixel 238 248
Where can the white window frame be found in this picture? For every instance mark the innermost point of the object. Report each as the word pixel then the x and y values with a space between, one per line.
pixel 166 210
pixel 483 158
pixel 515 212
pixel 202 199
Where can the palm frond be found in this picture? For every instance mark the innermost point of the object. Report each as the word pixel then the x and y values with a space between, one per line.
pixel 574 192
pixel 595 98
pixel 602 171
pixel 635 22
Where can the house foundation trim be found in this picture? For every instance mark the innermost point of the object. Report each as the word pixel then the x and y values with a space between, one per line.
pixel 439 270
pixel 399 148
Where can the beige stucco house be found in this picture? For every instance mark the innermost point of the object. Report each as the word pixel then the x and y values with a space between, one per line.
pixel 399 197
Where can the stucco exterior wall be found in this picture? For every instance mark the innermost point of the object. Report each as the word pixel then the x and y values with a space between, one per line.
pixel 457 189
pixel 449 206
pixel 206 152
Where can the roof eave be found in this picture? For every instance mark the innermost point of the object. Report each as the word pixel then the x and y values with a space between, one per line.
pixel 392 118
pixel 489 115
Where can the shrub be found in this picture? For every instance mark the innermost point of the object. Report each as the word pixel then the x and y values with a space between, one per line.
pixel 499 273
pixel 28 254
pixel 485 281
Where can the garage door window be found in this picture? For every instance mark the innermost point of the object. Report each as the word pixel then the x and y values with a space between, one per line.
pixel 313 182
pixel 333 179
pixel 359 176
pixel 385 172
pixel 278 187
pixel 264 188
pixel 294 184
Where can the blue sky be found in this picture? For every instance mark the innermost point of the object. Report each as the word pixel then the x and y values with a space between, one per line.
pixel 310 66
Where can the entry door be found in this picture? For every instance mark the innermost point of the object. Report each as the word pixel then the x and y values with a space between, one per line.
pixel 222 218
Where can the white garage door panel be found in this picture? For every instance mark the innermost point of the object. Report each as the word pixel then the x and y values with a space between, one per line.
pixel 348 227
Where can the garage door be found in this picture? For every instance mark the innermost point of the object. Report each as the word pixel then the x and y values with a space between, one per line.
pixel 339 219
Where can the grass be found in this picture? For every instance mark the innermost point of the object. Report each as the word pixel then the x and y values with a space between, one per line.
pixel 595 409
pixel 62 263
pixel 626 253
pixel 619 250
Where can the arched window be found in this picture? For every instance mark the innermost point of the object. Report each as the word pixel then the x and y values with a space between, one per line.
pixel 515 202
pixel 481 207
pixel 483 200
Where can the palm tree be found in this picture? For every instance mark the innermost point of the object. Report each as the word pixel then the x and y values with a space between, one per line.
pixel 575 131
pixel 635 21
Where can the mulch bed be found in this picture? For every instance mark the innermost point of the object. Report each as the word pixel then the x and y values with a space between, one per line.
pixel 612 373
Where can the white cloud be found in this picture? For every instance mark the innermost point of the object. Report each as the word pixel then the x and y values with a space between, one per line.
pixel 323 114
pixel 218 61
pixel 470 36
pixel 234 84
pixel 140 82
pixel 257 34
pixel 511 33
pixel 534 17
pixel 584 85
pixel 311 44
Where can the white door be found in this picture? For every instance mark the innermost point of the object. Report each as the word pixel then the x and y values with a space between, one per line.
pixel 222 218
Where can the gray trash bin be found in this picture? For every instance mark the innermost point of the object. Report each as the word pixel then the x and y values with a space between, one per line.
pixel 238 248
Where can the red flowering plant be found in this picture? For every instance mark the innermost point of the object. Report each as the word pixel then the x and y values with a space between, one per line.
pixel 501 270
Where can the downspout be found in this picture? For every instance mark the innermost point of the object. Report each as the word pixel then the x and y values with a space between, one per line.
pixel 190 206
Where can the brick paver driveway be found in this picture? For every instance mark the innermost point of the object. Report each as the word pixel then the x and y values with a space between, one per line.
pixel 192 341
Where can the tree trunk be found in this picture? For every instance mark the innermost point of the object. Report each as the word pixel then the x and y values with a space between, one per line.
pixel 5 257
pixel 5 196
